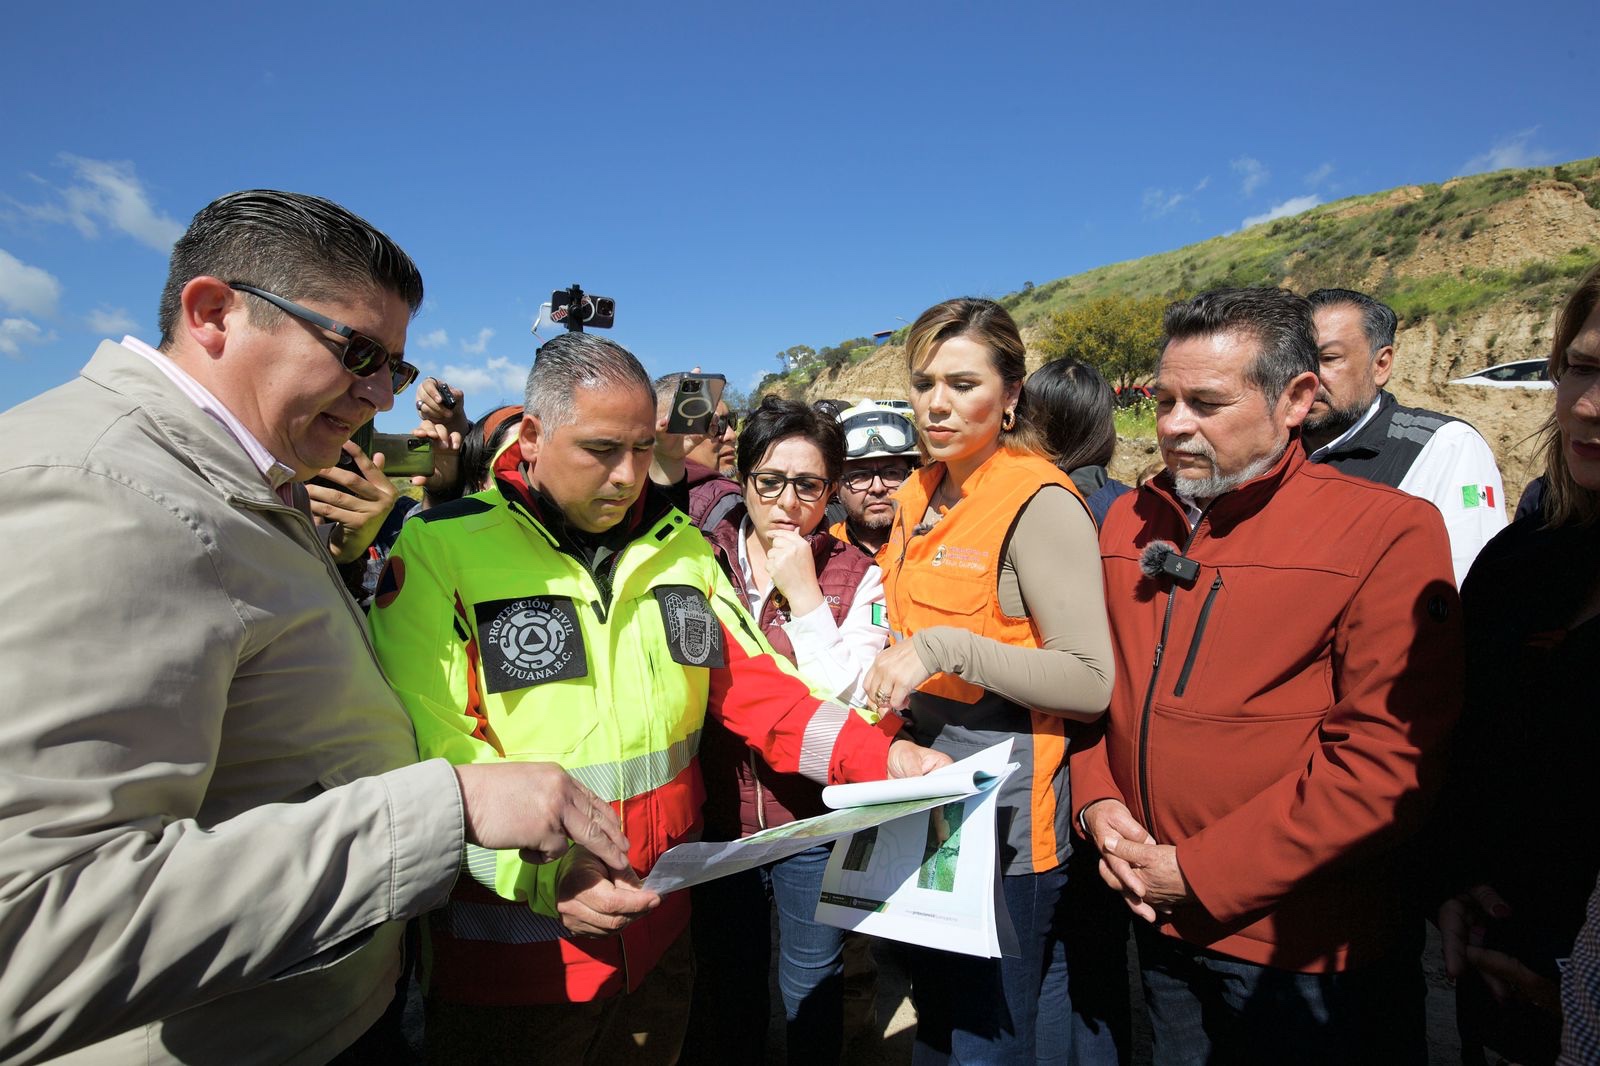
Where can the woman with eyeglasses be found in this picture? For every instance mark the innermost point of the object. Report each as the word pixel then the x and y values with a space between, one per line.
pixel 1516 826
pixel 813 597
pixel 993 584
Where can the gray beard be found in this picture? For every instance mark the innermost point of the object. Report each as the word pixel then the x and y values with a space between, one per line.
pixel 1193 489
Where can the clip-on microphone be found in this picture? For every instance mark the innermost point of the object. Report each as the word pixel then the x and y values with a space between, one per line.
pixel 1162 557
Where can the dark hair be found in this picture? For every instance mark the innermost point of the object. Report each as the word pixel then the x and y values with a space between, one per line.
pixel 299 247
pixel 1279 319
pixel 482 441
pixel 1565 501
pixel 778 419
pixel 1378 320
pixel 990 325
pixel 1071 404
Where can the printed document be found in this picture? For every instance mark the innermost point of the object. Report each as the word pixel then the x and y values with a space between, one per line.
pixel 858 807
pixel 931 877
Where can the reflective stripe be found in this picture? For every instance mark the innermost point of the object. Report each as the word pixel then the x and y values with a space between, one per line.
pixel 618 781
pixel 816 747
pixel 479 864
pixel 500 924
pixel 630 777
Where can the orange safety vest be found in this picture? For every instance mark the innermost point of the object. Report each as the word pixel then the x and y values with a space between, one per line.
pixel 949 575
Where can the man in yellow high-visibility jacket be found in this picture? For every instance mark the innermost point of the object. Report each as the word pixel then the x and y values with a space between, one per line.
pixel 571 614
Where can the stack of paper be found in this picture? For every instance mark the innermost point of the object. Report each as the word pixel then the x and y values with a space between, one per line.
pixel 931 877
pixel 920 864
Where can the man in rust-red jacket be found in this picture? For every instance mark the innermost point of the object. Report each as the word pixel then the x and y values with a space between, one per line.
pixel 1289 664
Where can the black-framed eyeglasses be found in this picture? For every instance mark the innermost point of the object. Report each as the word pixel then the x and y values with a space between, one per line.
pixel 720 424
pixel 360 354
pixel 861 480
pixel 807 489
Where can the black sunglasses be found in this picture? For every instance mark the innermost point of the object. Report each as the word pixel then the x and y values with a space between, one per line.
pixel 360 354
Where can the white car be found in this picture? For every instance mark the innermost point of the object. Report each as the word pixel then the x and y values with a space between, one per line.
pixel 1518 374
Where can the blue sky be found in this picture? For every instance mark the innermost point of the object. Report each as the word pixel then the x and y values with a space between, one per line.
pixel 740 178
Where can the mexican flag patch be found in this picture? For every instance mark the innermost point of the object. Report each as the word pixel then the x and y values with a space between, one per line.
pixel 1477 496
pixel 880 617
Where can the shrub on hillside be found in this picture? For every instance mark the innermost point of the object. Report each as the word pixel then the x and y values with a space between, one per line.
pixel 1117 335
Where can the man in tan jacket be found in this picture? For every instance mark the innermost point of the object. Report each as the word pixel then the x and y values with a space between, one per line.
pixel 213 824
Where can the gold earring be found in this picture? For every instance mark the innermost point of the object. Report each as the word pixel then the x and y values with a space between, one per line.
pixel 1008 420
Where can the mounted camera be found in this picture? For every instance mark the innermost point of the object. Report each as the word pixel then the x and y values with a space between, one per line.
pixel 575 309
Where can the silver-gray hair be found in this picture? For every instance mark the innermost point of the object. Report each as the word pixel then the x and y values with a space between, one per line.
pixel 573 361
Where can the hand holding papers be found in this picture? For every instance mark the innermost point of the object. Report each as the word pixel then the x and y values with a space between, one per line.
pixel 920 865
pixel 864 805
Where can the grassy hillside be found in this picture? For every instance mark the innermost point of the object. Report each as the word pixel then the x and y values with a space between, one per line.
pixel 1509 242
pixel 1380 243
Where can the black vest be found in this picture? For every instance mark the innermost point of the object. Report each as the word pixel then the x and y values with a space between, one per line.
pixel 1384 449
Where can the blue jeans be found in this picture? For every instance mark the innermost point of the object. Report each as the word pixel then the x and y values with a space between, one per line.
pixel 974 1011
pixel 731 923
pixel 1085 1018
pixel 1210 1008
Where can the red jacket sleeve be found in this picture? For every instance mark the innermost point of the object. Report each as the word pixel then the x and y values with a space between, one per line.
pixel 759 697
pixel 1090 771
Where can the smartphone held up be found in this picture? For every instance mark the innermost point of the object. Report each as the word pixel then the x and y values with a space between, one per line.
pixel 694 403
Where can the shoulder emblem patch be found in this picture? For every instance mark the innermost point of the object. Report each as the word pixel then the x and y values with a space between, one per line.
pixel 529 641
pixel 694 636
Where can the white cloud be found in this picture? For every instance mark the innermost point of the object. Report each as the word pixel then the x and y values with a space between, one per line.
pixel 27 289
pixel 1510 152
pixel 1159 202
pixel 495 379
pixel 1252 175
pixel 478 346
pixel 110 195
pixel 1320 175
pixel 15 332
pixel 111 321
pixel 437 339
pixel 1283 210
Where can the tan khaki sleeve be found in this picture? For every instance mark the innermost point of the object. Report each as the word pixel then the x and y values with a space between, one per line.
pixel 1055 554
pixel 119 642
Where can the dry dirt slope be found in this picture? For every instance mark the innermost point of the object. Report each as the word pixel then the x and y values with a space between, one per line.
pixel 1478 284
